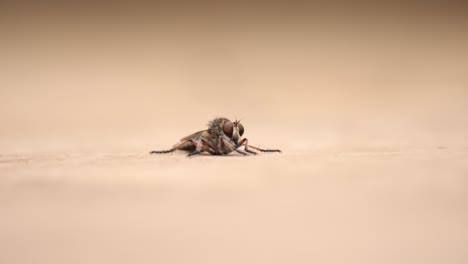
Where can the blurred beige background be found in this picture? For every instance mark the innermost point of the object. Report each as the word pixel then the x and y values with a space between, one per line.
pixel 367 102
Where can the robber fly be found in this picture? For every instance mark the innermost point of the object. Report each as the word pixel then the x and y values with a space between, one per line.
pixel 221 138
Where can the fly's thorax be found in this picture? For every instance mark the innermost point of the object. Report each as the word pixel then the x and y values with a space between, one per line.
pixel 216 125
pixel 213 139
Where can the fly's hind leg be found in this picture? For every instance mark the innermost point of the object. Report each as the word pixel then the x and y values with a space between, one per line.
pixel 180 145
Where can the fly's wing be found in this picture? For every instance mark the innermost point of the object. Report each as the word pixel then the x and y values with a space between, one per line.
pixel 189 146
pixel 194 135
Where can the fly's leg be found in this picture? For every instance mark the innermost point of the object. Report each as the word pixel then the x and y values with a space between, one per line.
pixel 196 152
pixel 199 144
pixel 210 147
pixel 203 146
pixel 231 146
pixel 264 150
pixel 176 147
pixel 246 147
pixel 245 142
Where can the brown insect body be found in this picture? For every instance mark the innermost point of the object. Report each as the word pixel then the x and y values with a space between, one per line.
pixel 221 138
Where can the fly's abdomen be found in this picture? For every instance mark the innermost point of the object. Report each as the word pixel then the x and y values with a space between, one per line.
pixel 189 146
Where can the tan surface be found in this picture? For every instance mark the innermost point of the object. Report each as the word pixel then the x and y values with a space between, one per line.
pixel 370 111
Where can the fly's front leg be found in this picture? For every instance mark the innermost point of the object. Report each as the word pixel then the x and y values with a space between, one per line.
pixel 231 146
pixel 264 150
pixel 245 142
pixel 176 147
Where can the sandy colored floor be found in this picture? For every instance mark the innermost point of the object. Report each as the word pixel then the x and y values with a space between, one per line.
pixel 370 111
pixel 375 205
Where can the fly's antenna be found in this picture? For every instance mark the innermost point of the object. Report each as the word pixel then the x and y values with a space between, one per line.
pixel 238 121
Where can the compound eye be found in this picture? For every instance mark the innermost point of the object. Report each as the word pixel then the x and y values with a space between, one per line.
pixel 228 128
pixel 241 129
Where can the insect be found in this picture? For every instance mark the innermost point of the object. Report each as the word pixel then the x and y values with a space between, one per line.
pixel 221 138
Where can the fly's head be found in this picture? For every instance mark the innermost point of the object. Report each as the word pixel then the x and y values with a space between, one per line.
pixel 223 126
pixel 234 130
